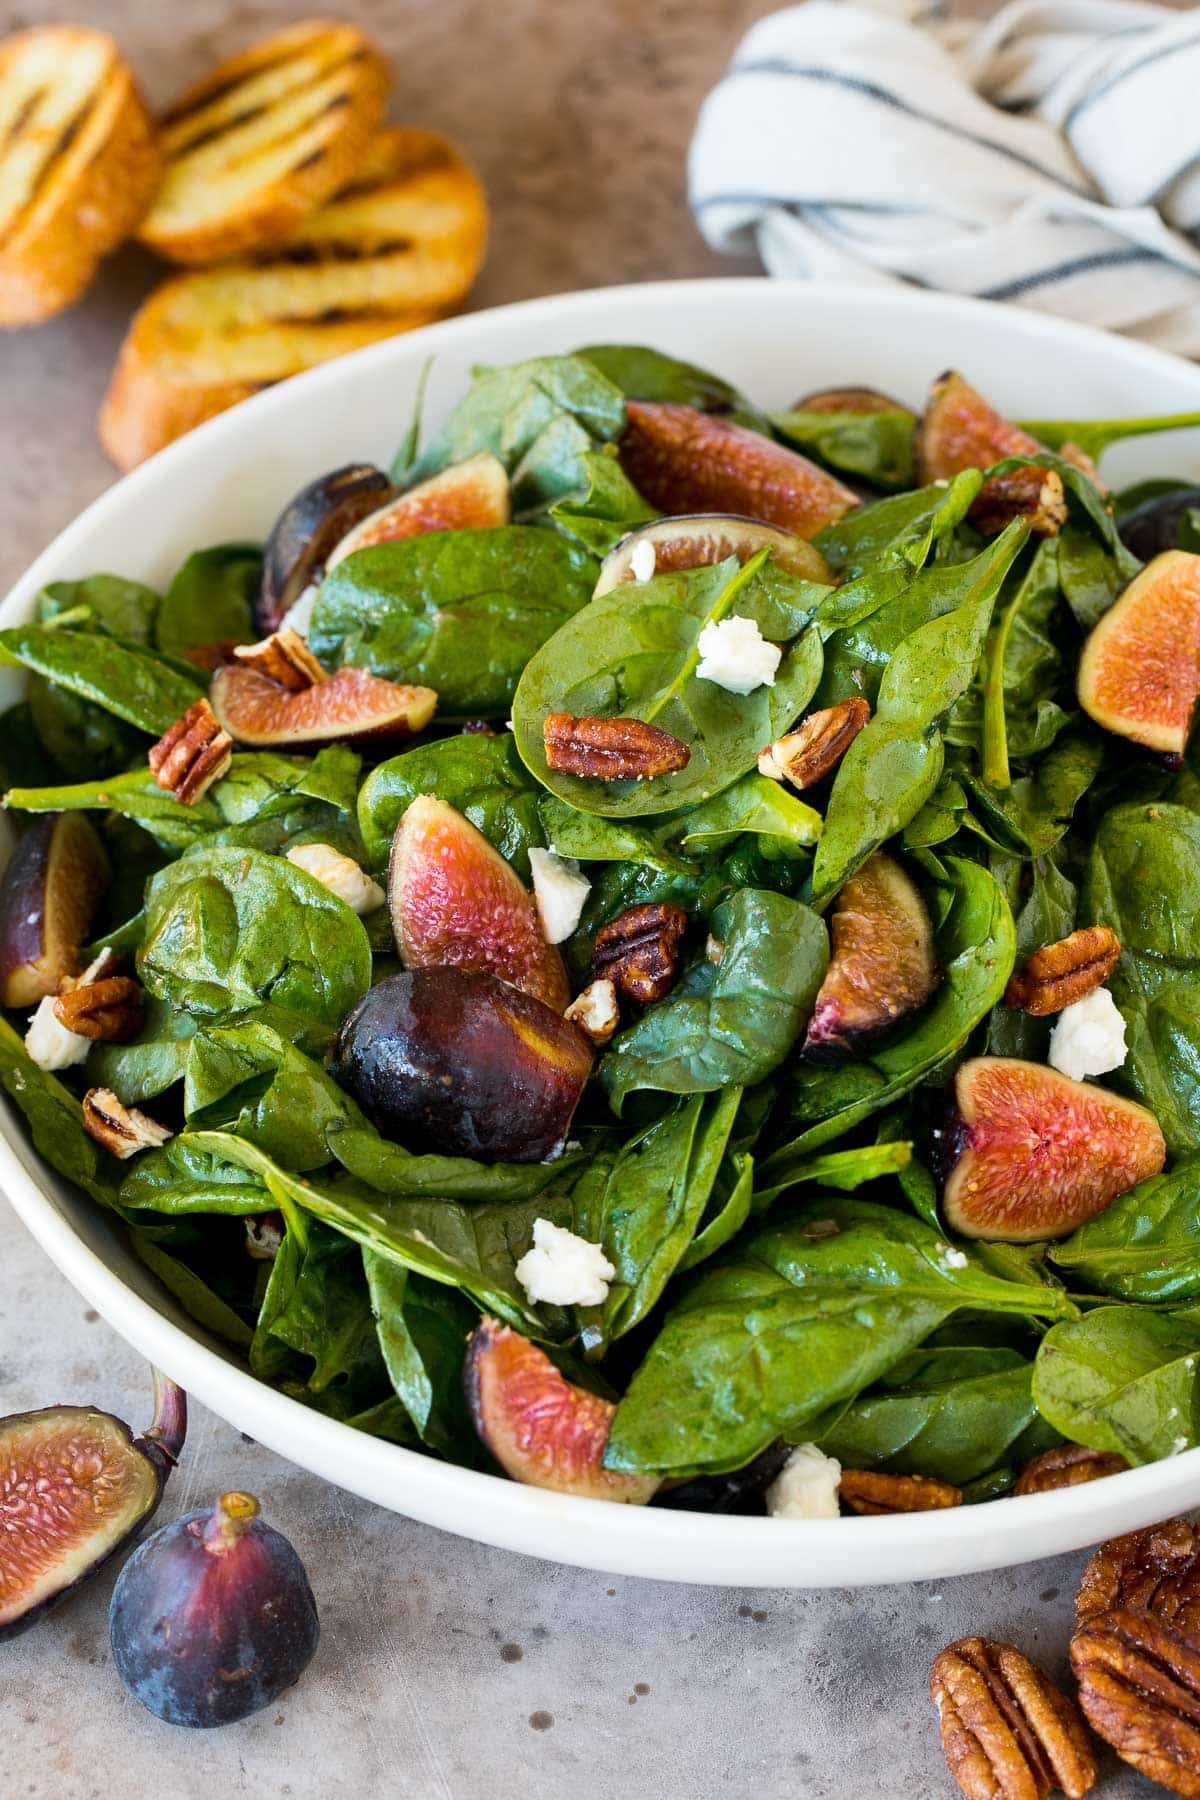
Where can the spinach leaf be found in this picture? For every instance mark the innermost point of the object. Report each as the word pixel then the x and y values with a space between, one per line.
pixel 589 838
pixel 605 509
pixel 422 1327
pixel 248 1078
pixel 261 784
pixel 645 374
pixel 198 1300
pixel 901 530
pixel 318 1306
pixel 482 776
pixel 1016 713
pixel 1122 1379
pixel 727 1210
pixel 1089 575
pixel 839 1170
pixel 136 796
pixel 149 1063
pixel 1047 916
pixel 878 447
pixel 22 757
pixel 209 600
pixel 55 1120
pixel 754 804
pixel 83 738
pixel 402 1174
pixel 1093 436
pixel 1146 1245
pixel 123 678
pixel 124 608
pixel 1035 811
pixel 179 1179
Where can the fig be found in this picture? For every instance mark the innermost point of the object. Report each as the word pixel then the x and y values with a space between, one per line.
pixel 1139 673
pixel 960 430
pixel 212 1618
pixel 540 1428
pixel 1155 525
pixel 469 495
pixel 75 1485
pixel 54 881
pixel 1034 1154
pixel 740 1491
pixel 455 902
pixel 458 1061
pixel 856 401
pixel 308 528
pixel 683 461
pixel 701 538
pixel 882 964
pixel 351 707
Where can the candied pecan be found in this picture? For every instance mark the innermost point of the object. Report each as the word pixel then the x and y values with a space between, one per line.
pixel 1030 493
pixel 191 754
pixel 872 1491
pixel 817 745
pixel 1008 1732
pixel 611 749
pixel 1139 1686
pixel 1067 1465
pixel 1157 1569
pixel 638 951
pixel 122 1131
pixel 283 658
pixel 264 1235
pixel 595 1011
pixel 109 1010
pixel 1059 974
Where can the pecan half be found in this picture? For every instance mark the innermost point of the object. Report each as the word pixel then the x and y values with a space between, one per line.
pixel 1157 1569
pixel 611 749
pixel 1030 493
pixel 817 745
pixel 284 658
pixel 264 1235
pixel 191 754
pixel 871 1491
pixel 1008 1732
pixel 1067 1465
pixel 595 1011
pixel 108 1011
pixel 1139 1686
pixel 122 1131
pixel 638 951
pixel 1059 974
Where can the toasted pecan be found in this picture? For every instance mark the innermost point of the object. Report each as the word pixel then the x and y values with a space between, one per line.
pixel 596 1011
pixel 1029 492
pixel 191 754
pixel 107 1011
pixel 611 749
pixel 818 744
pixel 283 658
pixel 1059 974
pixel 1067 1465
pixel 638 951
pixel 1008 1733
pixel 122 1131
pixel 872 1491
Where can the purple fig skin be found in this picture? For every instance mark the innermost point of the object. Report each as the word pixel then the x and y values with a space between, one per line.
pixel 54 881
pixel 213 1617
pixel 306 531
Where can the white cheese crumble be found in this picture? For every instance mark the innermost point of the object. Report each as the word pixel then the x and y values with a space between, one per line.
pixel 563 1269
pixel 736 656
pixel 642 560
pixel 953 1259
pixel 298 618
pixel 560 891
pixel 340 874
pixel 50 1044
pixel 806 1487
pixel 1088 1037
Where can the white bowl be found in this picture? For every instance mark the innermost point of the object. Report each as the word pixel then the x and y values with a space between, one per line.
pixel 228 480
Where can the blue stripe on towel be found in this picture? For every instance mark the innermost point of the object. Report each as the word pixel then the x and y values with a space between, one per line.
pixel 1082 265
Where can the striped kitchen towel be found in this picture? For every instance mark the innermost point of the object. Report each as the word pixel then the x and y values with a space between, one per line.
pixel 1049 157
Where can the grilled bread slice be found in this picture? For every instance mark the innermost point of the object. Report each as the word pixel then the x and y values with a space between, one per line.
pixel 268 135
pixel 79 162
pixel 398 247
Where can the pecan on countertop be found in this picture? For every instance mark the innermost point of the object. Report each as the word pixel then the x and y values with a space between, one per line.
pixel 1008 1733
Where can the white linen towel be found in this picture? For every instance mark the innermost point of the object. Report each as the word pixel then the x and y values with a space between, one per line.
pixel 1050 157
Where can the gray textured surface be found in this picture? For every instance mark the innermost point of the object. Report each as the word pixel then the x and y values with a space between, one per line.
pixel 447 1670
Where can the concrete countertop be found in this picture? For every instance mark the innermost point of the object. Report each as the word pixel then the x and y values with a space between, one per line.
pixel 446 1670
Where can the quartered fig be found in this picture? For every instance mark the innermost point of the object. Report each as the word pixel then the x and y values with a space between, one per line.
pixel 55 879
pixel 75 1485
pixel 455 901
pixel 212 1618
pixel 541 1429
pixel 961 430
pixel 701 538
pixel 352 707
pixel 469 495
pixel 1139 673
pixel 1033 1154
pixel 882 965
pixel 1155 525
pixel 308 528
pixel 459 1061
pixel 683 461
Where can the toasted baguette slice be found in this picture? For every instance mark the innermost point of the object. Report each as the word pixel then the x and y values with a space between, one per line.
pixel 398 248
pixel 79 162
pixel 264 138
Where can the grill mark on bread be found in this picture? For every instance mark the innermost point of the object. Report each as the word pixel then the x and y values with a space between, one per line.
pixel 54 155
pixel 177 118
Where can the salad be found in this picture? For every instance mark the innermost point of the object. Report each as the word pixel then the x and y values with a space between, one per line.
pixel 654 947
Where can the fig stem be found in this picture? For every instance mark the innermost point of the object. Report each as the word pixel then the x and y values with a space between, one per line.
pixel 231 1515
pixel 168 1428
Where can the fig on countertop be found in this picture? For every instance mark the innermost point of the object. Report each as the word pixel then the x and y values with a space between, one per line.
pixel 1139 672
pixel 213 1618
pixel 55 878
pixel 308 528
pixel 470 495
pixel 882 964
pixel 698 539
pixel 458 1061
pixel 75 1485
pixel 541 1429
pixel 1155 525
pixel 683 461
pixel 1032 1154
pixel 351 707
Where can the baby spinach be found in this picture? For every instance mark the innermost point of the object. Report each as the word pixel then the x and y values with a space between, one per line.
pixel 124 608
pixel 1034 812
pixel 1017 714
pixel 1093 436
pixel 876 447
pixel 179 1179
pixel 55 1120
pixel 152 1061
pixel 645 374
pixel 246 1077
pixel 198 1299
pixel 135 795
pixel 901 530
pixel 317 1306
pixel 209 601
pixel 1146 1245
pixel 754 804
pixel 422 1326
pixel 80 736
pixel 482 776
pixel 1046 916
pixel 589 838
pixel 605 509
pixel 839 1170
pixel 1123 1379
pixel 123 678
pixel 403 1174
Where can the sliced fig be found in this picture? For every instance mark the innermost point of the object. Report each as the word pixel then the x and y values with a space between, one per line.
pixel 858 402
pixel 54 881
pixel 882 965
pixel 1035 1154
pixel 458 1061
pixel 75 1485
pixel 961 430
pixel 471 495
pixel 697 539
pixel 455 902
pixel 352 707
pixel 1155 525
pixel 311 523
pixel 1139 674
pixel 541 1429
pixel 683 461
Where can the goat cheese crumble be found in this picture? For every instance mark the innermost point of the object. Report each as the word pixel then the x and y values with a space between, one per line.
pixel 340 874
pixel 806 1487
pixel 563 1269
pixel 736 656
pixel 298 618
pixel 1088 1037
pixel 50 1045
pixel 642 560
pixel 560 891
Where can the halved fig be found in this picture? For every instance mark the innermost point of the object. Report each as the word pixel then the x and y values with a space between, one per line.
pixel 683 461
pixel 455 902
pixel 54 881
pixel 1034 1154
pixel 470 495
pixel 458 1061
pixel 882 964
pixel 961 430
pixel 75 1485
pixel 540 1428
pixel 352 707
pixel 697 539
pixel 1155 525
pixel 1139 674
pixel 858 402
pixel 311 523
